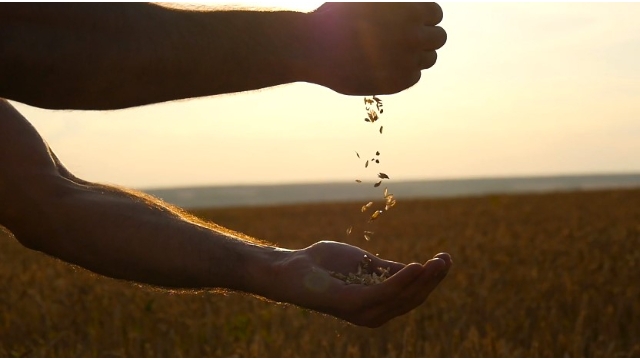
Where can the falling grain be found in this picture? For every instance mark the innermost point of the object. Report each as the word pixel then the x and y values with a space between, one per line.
pixel 373 117
pixel 375 215
pixel 390 203
pixel 349 230
pixel 366 206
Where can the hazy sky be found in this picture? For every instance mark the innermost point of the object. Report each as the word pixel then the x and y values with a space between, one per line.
pixel 519 89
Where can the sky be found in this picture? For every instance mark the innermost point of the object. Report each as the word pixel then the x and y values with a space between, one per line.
pixel 519 89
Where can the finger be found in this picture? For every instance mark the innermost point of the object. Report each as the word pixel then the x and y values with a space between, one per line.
pixel 394 286
pixel 434 271
pixel 438 272
pixel 413 293
pixel 427 59
pixel 374 295
pixel 432 13
pixel 446 258
pixel 393 266
pixel 375 298
pixel 431 276
pixel 432 38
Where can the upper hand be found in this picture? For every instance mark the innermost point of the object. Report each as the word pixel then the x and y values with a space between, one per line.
pixel 305 281
pixel 374 48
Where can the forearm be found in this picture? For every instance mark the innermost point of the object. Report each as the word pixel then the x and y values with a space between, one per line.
pixel 133 237
pixel 116 232
pixel 107 56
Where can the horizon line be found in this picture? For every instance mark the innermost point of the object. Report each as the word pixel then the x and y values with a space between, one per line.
pixel 481 177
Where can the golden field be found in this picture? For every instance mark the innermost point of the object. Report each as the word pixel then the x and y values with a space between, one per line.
pixel 534 275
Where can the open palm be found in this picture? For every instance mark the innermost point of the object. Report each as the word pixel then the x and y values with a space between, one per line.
pixel 307 281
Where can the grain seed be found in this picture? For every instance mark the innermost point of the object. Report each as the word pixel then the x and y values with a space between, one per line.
pixel 349 230
pixel 390 204
pixel 366 206
pixel 372 116
pixel 377 184
pixel 375 215
pixel 358 155
pixel 366 263
pixel 366 164
pixel 383 176
pixel 358 181
pixel 381 126
pixel 377 153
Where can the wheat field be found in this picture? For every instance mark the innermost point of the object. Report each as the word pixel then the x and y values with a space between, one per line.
pixel 540 275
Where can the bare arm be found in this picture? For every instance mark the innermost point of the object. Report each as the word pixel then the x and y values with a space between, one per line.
pixel 129 236
pixel 107 56
pixel 114 232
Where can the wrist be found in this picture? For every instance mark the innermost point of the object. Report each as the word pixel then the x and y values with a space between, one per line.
pixel 265 49
pixel 326 50
pixel 311 58
pixel 306 51
pixel 259 271
pixel 289 48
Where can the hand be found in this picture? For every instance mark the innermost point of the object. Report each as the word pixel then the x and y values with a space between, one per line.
pixel 375 48
pixel 305 281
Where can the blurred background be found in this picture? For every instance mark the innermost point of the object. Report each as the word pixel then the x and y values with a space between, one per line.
pixel 537 97
pixel 519 90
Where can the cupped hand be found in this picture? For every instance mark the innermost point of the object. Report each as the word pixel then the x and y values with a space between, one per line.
pixel 375 48
pixel 306 281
